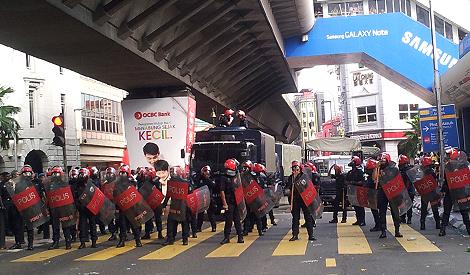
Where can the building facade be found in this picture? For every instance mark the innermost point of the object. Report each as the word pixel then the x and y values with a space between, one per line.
pixel 43 90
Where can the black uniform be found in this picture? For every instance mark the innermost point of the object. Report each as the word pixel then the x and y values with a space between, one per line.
pixel 172 225
pixel 4 197
pixel 15 220
pixel 69 232
pixel 340 198
pixel 435 209
pixel 411 191
pixel 97 182
pixel 231 214
pixel 149 226
pixel 210 183
pixel 251 219
pixel 383 203
pixel 123 224
pixel 265 183
pixel 45 227
pixel 298 204
pixel 448 203
pixel 369 183
pixel 87 221
pixel 356 177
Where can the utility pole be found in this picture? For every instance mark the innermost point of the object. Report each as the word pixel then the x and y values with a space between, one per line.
pixel 437 92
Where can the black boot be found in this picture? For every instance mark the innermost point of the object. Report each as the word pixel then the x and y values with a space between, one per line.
pixel 30 246
pixel 121 243
pixel 214 229
pixel 374 229
pixel 30 241
pixel 260 233
pixel 194 235
pixel 225 240
pixel 408 221
pixel 240 239
pixel 468 229
pixel 82 245
pixel 93 244
pixel 294 238
pixel 68 244
pixel 112 237
pixel 383 234
pixel 138 243
pixel 442 232
pixel 312 238
pixel 356 223
pixel 160 235
pixel 343 220
pixel 438 225
pixel 146 236
pixel 168 242
pixel 397 232
pixel 273 223
pixel 333 220
pixel 185 241
pixel 54 245
pixel 15 246
pixel 423 226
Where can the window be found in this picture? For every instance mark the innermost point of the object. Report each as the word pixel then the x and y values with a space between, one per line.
pixel 101 114
pixel 366 114
pixel 305 134
pixel 422 15
pixel 311 114
pixel 28 61
pixel 462 34
pixel 443 27
pixel 31 91
pixel 305 124
pixel 407 111
pixel 383 6
pixel 346 8
pixel 318 9
pixel 62 103
pixel 304 115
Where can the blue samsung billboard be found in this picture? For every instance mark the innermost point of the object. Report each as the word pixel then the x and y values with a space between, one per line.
pixel 392 44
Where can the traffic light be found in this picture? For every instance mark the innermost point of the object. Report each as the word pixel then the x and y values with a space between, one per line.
pixel 59 131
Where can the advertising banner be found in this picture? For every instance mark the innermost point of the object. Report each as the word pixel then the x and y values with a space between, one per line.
pixel 163 123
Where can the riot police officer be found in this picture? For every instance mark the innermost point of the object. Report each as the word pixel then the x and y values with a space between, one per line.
pixel 370 167
pixel 125 171
pixel 382 201
pixel 226 119
pixel 297 203
pixel 110 178
pixel 452 154
pixel 87 221
pixel 356 177
pixel 227 193
pixel 151 176
pixel 242 119
pixel 403 166
pixel 340 197
pixel 205 179
pixel 426 163
pixel 57 172
pixel 95 179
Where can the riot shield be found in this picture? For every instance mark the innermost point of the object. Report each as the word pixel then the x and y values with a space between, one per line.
pixel 394 188
pixel 178 191
pixel 276 193
pixel 131 203
pixel 458 179
pixel 425 184
pixel 199 200
pixel 362 196
pixel 309 195
pixel 308 171
pixel 108 189
pixel 259 200
pixel 239 196
pixel 98 204
pixel 152 195
pixel 28 202
pixel 60 200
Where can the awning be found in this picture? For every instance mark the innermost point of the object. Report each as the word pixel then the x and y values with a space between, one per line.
pixel 334 144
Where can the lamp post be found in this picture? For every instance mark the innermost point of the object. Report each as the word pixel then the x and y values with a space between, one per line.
pixel 437 92
pixel 77 129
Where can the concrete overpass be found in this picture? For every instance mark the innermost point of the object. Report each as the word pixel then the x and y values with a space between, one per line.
pixel 227 53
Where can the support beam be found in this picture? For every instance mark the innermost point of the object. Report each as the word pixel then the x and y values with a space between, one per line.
pixel 248 71
pixel 103 13
pixel 148 40
pixel 261 72
pixel 177 59
pixel 71 3
pixel 245 58
pixel 214 49
pixel 161 52
pixel 247 95
pixel 226 55
pixel 265 97
pixel 127 28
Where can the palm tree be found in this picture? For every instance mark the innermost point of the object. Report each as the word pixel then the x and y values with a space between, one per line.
pixel 9 127
pixel 412 145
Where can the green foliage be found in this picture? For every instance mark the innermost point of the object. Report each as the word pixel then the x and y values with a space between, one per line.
pixel 9 127
pixel 412 145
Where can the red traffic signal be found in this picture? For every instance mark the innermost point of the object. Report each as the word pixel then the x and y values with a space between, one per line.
pixel 58 120
pixel 59 131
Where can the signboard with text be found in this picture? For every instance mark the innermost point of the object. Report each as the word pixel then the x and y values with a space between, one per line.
pixel 165 122
pixel 429 132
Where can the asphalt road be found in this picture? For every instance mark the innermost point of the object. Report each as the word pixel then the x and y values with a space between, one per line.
pixel 340 249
